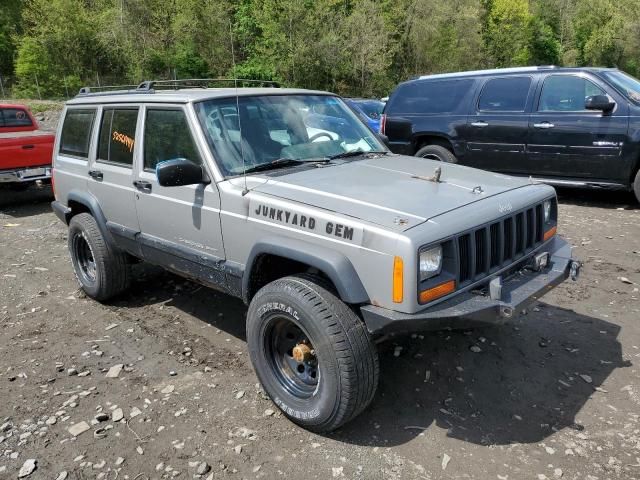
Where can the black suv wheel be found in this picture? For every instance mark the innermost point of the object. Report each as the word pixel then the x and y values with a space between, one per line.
pixel 101 272
pixel 312 354
pixel 437 152
pixel 636 186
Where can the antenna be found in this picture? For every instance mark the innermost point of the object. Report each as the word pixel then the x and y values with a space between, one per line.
pixel 235 81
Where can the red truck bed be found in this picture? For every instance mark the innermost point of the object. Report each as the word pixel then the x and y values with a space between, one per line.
pixel 25 150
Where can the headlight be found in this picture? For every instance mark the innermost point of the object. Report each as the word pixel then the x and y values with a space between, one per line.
pixel 430 262
pixel 546 208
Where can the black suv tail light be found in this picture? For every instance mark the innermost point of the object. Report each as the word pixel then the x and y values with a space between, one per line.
pixel 383 123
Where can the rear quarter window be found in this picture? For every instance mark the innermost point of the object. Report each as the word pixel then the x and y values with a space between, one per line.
pixel 14 117
pixel 429 96
pixel 76 132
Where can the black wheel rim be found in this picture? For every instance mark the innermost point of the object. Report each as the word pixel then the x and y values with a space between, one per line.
pixel 84 258
pixel 292 358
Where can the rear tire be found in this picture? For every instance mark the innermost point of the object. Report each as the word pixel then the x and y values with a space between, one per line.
pixel 311 352
pixel 636 186
pixel 101 271
pixel 437 152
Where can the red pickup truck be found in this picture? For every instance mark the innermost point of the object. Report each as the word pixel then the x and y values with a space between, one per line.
pixel 25 150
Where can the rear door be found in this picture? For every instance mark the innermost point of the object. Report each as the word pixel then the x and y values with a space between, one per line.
pixel 496 131
pixel 180 225
pixel 565 139
pixel 110 174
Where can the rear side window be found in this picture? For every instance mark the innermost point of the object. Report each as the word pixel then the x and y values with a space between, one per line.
pixel 76 132
pixel 117 135
pixel 505 94
pixel 566 93
pixel 167 136
pixel 428 96
pixel 14 117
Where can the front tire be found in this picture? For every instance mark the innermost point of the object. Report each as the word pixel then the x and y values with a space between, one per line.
pixel 636 186
pixel 102 272
pixel 437 152
pixel 311 352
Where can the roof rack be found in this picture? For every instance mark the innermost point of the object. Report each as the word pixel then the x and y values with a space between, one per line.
pixel 484 72
pixel 150 86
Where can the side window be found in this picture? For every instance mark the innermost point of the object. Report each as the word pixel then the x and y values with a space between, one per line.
pixel 566 93
pixel 167 136
pixel 117 135
pixel 505 94
pixel 14 117
pixel 76 132
pixel 429 96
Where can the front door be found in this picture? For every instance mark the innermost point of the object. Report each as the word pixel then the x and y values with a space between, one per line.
pixel 496 132
pixel 180 225
pixel 565 139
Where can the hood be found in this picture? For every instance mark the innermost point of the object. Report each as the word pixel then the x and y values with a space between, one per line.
pixel 393 191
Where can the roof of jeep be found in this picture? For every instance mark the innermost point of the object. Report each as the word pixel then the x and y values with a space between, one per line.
pixel 184 95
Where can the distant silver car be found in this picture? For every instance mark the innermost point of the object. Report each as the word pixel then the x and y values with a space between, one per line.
pixel 285 199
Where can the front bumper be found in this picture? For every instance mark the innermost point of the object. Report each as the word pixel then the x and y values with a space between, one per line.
pixel 27 174
pixel 471 309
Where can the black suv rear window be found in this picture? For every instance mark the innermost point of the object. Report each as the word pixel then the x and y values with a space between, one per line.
pixel 505 94
pixel 429 96
pixel 14 117
pixel 117 135
pixel 76 132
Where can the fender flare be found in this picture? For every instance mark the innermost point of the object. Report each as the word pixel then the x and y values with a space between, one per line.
pixel 333 264
pixel 92 204
pixel 456 145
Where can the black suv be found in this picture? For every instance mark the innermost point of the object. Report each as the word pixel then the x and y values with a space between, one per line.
pixel 565 126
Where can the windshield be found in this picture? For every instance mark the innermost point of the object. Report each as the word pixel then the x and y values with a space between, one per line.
pixel 625 84
pixel 266 128
pixel 372 108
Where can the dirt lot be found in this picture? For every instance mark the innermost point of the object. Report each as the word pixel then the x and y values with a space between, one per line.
pixel 555 393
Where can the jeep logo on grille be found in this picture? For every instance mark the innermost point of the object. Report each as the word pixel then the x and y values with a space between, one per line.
pixel 505 207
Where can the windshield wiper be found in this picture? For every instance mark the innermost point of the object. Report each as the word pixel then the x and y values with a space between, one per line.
pixel 354 153
pixel 280 163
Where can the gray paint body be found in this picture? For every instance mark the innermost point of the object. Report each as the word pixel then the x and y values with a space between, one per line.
pixel 364 212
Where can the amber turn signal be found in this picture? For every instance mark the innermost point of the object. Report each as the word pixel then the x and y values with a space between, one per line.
pixel 438 291
pixel 398 280
pixel 549 233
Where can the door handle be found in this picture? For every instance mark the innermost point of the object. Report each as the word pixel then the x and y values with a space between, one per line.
pixel 142 185
pixel 97 174
pixel 28 147
pixel 544 125
pixel 481 123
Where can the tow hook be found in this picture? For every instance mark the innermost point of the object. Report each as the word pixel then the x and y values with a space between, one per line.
pixel 575 270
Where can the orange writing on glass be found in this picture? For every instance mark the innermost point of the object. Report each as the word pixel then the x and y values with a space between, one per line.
pixel 123 139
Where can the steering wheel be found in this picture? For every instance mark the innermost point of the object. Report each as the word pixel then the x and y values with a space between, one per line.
pixel 320 135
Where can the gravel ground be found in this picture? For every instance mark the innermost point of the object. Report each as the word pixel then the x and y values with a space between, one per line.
pixel 554 393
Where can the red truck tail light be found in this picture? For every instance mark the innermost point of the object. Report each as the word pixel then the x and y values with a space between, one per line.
pixel 383 123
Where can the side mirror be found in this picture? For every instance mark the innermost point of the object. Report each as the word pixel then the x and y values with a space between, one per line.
pixel 599 102
pixel 178 172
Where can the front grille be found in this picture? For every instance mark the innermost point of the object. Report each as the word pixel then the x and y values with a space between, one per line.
pixel 490 247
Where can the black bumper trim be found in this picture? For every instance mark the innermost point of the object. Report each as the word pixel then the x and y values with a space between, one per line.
pixel 61 211
pixel 469 309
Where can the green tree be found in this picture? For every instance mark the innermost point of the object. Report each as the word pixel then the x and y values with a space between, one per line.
pixel 10 27
pixel 506 32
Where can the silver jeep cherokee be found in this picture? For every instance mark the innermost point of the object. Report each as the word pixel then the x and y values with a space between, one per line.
pixel 285 199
